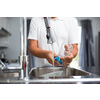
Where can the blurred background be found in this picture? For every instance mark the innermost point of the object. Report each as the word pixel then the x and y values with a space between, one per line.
pixel 88 57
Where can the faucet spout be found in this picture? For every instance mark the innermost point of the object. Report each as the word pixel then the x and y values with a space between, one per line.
pixel 50 37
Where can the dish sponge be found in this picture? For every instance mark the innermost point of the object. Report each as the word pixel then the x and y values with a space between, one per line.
pixel 58 59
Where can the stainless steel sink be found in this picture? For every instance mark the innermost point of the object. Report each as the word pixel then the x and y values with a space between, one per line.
pixel 44 75
pixel 57 72
pixel 45 72
pixel 8 75
pixel 12 70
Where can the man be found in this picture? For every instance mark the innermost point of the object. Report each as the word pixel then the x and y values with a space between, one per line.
pixel 64 30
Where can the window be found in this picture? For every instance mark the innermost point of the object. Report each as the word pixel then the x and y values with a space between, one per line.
pixel 75 61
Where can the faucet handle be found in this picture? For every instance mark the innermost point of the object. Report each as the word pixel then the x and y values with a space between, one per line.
pixel 2 63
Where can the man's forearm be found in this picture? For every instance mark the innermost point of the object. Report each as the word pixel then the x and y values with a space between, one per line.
pixel 38 52
pixel 75 50
pixel 34 50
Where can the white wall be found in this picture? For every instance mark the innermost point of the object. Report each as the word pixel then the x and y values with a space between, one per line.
pixel 4 22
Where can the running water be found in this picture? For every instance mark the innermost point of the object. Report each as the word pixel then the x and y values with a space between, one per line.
pixel 53 59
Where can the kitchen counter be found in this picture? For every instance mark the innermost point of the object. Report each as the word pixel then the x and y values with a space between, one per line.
pixel 15 80
pixel 88 79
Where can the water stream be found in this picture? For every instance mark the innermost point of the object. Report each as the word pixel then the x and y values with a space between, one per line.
pixel 53 59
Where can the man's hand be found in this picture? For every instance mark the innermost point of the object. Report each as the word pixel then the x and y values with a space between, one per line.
pixel 67 60
pixel 50 59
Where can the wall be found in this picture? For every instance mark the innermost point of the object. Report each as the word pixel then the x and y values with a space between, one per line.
pixel 4 22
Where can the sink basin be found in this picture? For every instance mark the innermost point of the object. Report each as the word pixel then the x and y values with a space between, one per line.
pixel 44 75
pixel 8 75
pixel 57 72
pixel 47 72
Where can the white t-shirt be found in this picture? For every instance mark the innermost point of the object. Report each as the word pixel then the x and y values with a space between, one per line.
pixel 64 29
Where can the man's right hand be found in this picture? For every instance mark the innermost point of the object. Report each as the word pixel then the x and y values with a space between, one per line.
pixel 50 58
pixel 34 50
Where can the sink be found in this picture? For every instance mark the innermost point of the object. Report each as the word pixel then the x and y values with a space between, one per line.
pixel 47 72
pixel 59 72
pixel 8 75
pixel 44 75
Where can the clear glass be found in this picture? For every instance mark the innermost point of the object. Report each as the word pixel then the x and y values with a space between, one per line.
pixel 65 50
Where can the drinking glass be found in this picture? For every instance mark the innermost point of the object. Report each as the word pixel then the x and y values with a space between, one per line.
pixel 65 50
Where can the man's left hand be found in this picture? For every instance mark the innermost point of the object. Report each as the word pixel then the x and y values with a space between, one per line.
pixel 67 59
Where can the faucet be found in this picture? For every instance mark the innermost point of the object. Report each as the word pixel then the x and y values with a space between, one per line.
pixel 50 37
pixel 23 51
pixel 23 58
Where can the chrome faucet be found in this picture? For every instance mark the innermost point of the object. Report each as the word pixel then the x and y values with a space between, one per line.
pixel 23 52
pixel 50 37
